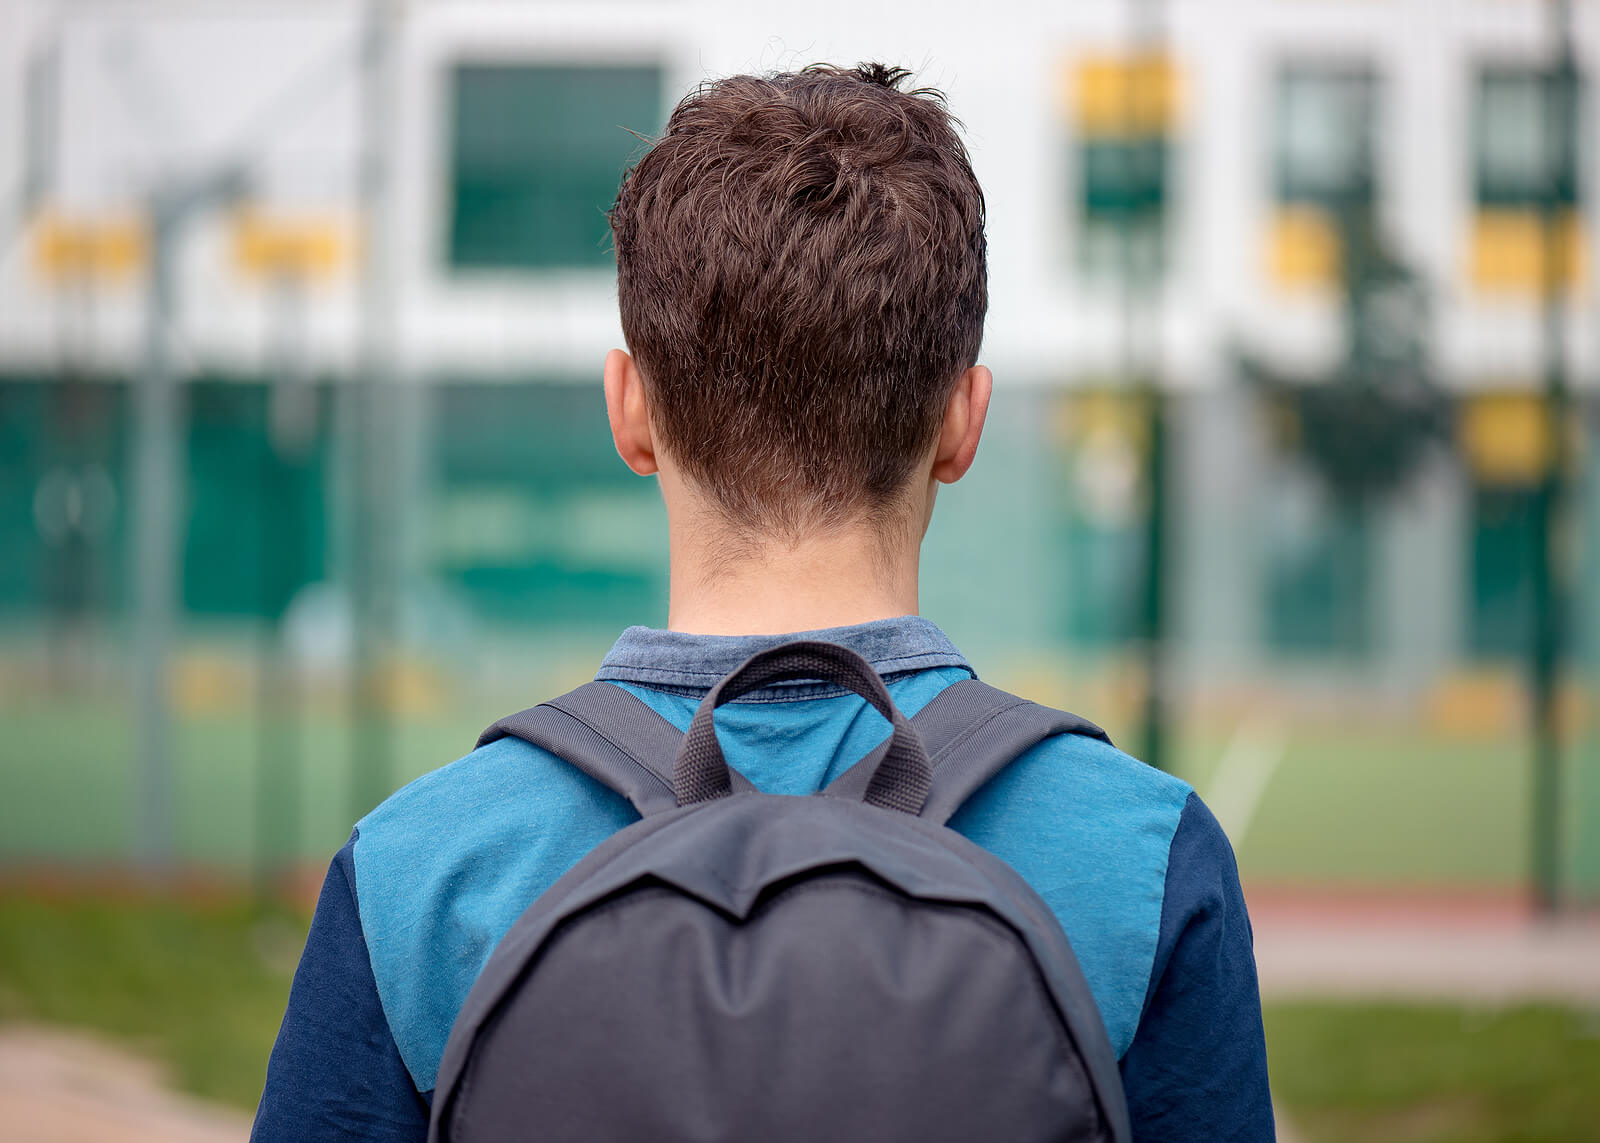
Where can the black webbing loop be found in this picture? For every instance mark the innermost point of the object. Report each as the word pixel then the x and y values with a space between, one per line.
pixel 900 780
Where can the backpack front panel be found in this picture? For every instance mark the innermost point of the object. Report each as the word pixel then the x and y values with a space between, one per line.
pixel 739 974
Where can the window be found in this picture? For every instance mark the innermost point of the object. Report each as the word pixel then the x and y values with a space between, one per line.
pixel 256 531
pixel 64 495
pixel 532 519
pixel 1324 160
pixel 1317 558
pixel 537 153
pixel 1124 109
pixel 1500 588
pixel 1324 138
pixel 1515 161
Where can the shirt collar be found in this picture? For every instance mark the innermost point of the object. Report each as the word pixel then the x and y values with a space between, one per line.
pixel 688 663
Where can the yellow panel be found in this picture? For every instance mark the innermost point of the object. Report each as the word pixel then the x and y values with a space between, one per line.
pixel 1303 248
pixel 1124 96
pixel 84 248
pixel 409 687
pixel 1104 413
pixel 1505 437
pixel 280 247
pixel 205 683
pixel 1508 251
pixel 1479 702
pixel 1487 700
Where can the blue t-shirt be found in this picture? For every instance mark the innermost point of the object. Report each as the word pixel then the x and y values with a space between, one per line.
pixel 1128 858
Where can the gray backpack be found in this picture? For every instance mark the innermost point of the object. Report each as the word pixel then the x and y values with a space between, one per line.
pixel 746 966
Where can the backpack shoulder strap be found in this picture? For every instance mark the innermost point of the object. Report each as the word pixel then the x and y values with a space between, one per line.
pixel 972 731
pixel 608 734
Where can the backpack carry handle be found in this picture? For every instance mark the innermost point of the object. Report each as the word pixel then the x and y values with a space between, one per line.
pixel 901 780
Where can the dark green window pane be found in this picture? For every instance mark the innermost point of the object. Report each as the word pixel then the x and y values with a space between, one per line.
pixel 1325 134
pixel 257 524
pixel 1514 150
pixel 537 153
pixel 1317 570
pixel 1500 622
pixel 1104 567
pixel 533 517
pixel 64 497
pixel 1123 176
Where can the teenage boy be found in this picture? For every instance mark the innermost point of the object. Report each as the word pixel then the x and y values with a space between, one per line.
pixel 801 271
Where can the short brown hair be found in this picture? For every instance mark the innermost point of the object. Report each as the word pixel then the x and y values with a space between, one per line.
pixel 802 275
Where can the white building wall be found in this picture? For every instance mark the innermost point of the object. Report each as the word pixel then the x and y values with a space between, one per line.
pixel 161 86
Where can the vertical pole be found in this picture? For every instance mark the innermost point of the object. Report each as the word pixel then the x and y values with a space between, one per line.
pixel 1141 364
pixel 42 96
pixel 157 491
pixel 1154 627
pixel 1552 543
pixel 371 596
pixel 291 431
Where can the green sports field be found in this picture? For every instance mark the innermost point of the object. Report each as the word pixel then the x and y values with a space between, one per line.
pixel 1325 802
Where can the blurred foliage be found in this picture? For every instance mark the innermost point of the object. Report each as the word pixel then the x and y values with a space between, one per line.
pixel 1429 1074
pixel 201 988
pixel 1365 426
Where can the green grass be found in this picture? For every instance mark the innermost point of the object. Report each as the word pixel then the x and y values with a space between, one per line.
pixel 199 988
pixel 1387 1074
pixel 202 987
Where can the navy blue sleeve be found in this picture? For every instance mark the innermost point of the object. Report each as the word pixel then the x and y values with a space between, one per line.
pixel 335 1073
pixel 1197 1067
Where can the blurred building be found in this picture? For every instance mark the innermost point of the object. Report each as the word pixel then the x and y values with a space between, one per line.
pixel 1165 187
pixel 512 123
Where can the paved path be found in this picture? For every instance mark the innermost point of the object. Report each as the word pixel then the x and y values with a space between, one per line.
pixel 1415 952
pixel 66 1087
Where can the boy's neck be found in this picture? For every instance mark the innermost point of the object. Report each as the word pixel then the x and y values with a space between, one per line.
pixel 725 585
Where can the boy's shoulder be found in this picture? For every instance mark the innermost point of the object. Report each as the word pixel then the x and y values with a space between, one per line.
pixel 1092 829
pixel 449 861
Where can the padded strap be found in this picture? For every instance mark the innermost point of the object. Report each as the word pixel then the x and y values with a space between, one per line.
pixel 608 734
pixel 973 731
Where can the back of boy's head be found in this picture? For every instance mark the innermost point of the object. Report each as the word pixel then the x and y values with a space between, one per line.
pixel 802 279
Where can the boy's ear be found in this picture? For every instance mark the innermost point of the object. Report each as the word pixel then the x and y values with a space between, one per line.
pixel 963 425
pixel 629 414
